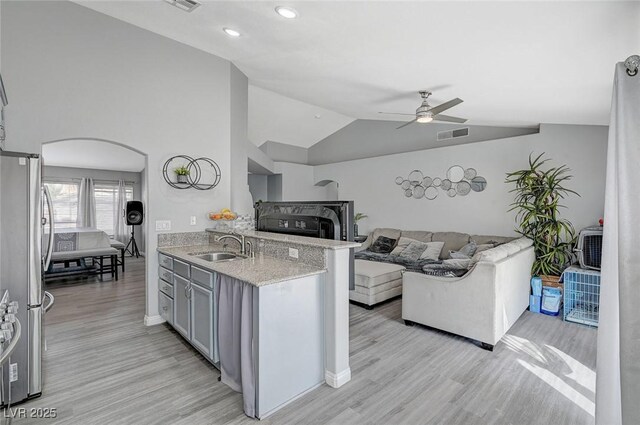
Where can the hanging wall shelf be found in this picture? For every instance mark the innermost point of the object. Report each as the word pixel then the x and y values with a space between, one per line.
pixel 204 173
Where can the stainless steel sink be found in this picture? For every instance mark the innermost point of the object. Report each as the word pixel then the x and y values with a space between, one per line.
pixel 219 256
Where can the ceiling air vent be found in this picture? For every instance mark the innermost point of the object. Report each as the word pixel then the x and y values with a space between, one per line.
pixel 452 134
pixel 186 5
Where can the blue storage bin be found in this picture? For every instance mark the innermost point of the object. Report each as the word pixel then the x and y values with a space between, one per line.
pixel 534 303
pixel 536 286
pixel 551 301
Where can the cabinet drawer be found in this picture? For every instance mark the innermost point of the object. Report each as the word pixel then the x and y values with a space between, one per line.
pixel 181 268
pixel 165 261
pixel 165 305
pixel 165 287
pixel 166 275
pixel 202 277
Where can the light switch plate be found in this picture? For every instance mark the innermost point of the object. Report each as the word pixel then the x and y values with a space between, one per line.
pixel 293 253
pixel 163 225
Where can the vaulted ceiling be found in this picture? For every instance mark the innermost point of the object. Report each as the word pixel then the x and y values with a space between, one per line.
pixel 511 62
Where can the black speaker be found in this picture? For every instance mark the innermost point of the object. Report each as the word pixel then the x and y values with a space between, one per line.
pixel 135 213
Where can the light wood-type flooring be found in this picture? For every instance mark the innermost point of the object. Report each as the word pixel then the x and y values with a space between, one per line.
pixel 103 366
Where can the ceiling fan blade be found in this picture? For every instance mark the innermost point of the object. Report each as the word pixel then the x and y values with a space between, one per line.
pixel 446 105
pixel 448 118
pixel 406 124
pixel 396 113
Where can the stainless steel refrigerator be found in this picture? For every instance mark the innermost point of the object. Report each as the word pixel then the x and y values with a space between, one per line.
pixel 23 228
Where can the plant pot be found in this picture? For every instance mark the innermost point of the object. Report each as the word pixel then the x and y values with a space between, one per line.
pixel 182 178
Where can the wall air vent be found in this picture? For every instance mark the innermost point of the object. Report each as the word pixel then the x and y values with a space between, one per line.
pixel 186 5
pixel 452 134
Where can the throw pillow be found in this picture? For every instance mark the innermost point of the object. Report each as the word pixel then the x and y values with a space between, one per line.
pixel 468 250
pixel 433 251
pixel 403 242
pixel 382 245
pixel 413 251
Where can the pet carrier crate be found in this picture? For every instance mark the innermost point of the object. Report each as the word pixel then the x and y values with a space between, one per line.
pixel 589 248
pixel 581 296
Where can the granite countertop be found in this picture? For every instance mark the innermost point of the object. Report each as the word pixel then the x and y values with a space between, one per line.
pixel 300 240
pixel 260 271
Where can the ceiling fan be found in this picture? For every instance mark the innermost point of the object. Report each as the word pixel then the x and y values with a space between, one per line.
pixel 427 113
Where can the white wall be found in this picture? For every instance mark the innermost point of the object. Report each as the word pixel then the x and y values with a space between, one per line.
pixel 371 182
pixel 74 73
pixel 298 183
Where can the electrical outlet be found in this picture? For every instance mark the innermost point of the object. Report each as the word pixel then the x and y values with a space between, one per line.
pixel 13 372
pixel 293 253
pixel 192 221
pixel 163 225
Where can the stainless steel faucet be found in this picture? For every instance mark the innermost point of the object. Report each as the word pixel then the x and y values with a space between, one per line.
pixel 241 241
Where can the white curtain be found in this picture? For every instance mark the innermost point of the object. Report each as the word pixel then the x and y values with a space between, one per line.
pixel 120 231
pixel 618 369
pixel 86 204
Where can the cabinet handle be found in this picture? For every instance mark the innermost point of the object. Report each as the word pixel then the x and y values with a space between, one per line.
pixel 187 291
pixel 165 308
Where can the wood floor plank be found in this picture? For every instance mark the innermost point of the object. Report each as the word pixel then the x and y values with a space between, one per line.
pixel 103 366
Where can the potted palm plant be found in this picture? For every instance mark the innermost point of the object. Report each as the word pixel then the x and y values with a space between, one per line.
pixel 356 219
pixel 538 193
pixel 182 174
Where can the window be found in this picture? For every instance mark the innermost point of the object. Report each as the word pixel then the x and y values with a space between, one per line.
pixel 65 204
pixel 64 197
pixel 107 205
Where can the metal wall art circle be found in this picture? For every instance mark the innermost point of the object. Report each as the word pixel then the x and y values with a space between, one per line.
pixel 463 188
pixel 198 168
pixel 415 177
pixel 455 173
pixel 470 173
pixel 478 184
pixel 431 193
pixel 459 181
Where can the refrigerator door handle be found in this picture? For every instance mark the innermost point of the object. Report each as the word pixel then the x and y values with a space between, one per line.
pixel 47 258
pixel 52 300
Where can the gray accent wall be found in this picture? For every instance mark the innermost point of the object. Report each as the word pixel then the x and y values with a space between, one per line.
pixel 283 152
pixel 370 183
pixel 371 138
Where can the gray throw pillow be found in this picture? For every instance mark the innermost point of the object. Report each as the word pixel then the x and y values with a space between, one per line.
pixel 382 245
pixel 413 251
pixel 403 242
pixel 433 251
pixel 466 251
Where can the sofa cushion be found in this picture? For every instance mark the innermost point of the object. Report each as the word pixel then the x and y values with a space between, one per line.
pixel 383 245
pixel 386 232
pixel 496 240
pixel 466 252
pixel 371 273
pixel 413 251
pixel 418 235
pixel 502 251
pixel 433 251
pixel 453 241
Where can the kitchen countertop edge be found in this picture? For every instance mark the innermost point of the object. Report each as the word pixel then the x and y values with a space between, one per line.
pixel 294 239
pixel 260 271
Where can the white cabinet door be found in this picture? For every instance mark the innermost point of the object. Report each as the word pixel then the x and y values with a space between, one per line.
pixel 181 306
pixel 202 320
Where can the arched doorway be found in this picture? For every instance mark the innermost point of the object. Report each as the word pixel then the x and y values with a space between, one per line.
pixel 113 168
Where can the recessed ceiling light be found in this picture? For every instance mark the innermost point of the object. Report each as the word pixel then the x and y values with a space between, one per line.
pixel 286 12
pixel 231 32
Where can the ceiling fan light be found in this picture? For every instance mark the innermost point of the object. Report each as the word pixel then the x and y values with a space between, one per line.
pixel 424 119
pixel 286 12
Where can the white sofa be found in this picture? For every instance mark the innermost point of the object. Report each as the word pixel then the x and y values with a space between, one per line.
pixel 481 305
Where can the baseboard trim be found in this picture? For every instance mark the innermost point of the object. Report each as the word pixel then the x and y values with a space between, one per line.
pixel 153 320
pixel 339 379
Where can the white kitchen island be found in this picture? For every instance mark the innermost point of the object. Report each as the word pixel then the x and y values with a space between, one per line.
pixel 299 318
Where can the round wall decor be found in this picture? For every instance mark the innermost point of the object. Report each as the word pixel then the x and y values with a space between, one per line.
pixel 203 173
pixel 459 181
